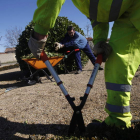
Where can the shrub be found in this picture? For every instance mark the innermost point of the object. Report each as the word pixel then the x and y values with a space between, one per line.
pixel 9 67
pixel 56 34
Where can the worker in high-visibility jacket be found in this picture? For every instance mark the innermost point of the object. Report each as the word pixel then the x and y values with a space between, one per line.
pixel 121 53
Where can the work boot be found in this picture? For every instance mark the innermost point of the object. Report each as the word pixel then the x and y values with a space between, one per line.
pixel 78 72
pixel 94 126
pixel 100 68
pixel 37 79
pixel 31 82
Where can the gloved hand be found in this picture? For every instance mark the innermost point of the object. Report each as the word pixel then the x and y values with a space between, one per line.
pixel 57 46
pixel 102 48
pixel 36 46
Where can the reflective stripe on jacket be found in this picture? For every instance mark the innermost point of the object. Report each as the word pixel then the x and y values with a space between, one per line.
pixel 110 10
pixel 78 41
pixel 119 88
pixel 98 10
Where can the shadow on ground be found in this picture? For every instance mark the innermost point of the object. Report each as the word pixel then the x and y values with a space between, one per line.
pixel 16 79
pixel 8 129
pixel 16 75
pixel 12 76
pixel 24 131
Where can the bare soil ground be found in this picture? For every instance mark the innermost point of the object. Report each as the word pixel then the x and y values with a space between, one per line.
pixel 42 109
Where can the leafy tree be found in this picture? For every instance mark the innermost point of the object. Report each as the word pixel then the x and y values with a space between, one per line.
pixel 55 34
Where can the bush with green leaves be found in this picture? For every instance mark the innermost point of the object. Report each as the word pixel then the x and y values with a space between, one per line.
pixel 55 34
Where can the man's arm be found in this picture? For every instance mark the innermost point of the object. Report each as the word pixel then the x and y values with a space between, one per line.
pixel 68 41
pixel 65 39
pixel 100 32
pixel 45 15
pixel 99 39
pixel 44 19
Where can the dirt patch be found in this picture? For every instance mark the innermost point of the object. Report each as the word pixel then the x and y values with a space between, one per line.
pixel 42 109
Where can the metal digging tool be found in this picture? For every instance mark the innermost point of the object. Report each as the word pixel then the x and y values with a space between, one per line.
pixel 77 118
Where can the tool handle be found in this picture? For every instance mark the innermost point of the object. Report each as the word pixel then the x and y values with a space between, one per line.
pixel 70 52
pixel 91 80
pixel 99 59
pixel 45 59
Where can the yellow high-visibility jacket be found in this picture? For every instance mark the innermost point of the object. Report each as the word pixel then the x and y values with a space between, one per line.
pixel 125 51
pixel 96 10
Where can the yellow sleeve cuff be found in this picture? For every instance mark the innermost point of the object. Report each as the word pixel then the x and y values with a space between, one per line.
pixel 39 29
pixel 100 32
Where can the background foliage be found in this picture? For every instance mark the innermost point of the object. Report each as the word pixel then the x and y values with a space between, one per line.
pixel 56 34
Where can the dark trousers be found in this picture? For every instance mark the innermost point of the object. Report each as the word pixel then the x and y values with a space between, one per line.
pixel 88 52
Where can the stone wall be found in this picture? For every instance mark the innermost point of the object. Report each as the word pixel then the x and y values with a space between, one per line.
pixel 7 57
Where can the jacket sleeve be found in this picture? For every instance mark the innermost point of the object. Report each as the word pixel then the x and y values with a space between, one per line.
pixel 65 39
pixel 100 32
pixel 68 41
pixel 45 15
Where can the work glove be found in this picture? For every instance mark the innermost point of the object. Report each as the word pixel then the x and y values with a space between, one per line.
pixel 57 46
pixel 102 48
pixel 36 46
